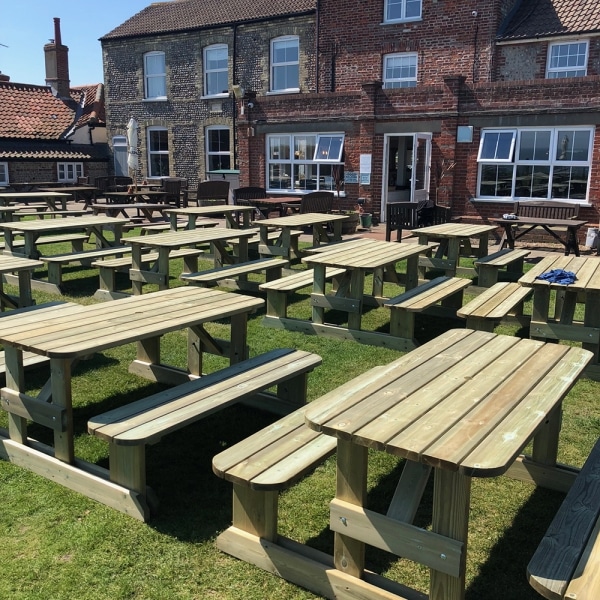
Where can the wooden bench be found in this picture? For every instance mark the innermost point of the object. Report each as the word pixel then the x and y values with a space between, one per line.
pixel 278 289
pixel 56 262
pixel 495 304
pixel 235 276
pixel 447 291
pixel 158 227
pixel 489 266
pixel 76 239
pixel 108 269
pixel 566 563
pixel 129 428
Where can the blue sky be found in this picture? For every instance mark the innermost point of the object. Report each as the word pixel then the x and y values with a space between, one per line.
pixel 27 25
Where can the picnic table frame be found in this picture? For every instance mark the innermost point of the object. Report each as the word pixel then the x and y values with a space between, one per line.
pixel 66 333
pixel 23 267
pixel 54 200
pixel 233 215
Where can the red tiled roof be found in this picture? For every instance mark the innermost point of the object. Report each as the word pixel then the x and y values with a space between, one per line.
pixel 180 15
pixel 55 150
pixel 542 18
pixel 32 111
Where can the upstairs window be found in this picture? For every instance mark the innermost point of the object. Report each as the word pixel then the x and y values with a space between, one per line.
pixel 567 60
pixel 3 173
pixel 402 10
pixel 155 76
pixel 218 149
pixel 69 172
pixel 216 77
pixel 400 70
pixel 158 152
pixel 285 64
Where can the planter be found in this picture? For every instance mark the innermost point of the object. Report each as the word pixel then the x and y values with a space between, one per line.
pixel 366 220
pixel 350 224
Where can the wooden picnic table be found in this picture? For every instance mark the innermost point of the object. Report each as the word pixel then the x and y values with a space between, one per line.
pixel 23 267
pixel 571 226
pixel 79 193
pixel 164 243
pixel 557 321
pixel 266 205
pixel 32 230
pixel 54 200
pixel 439 409
pixel 232 214
pixel 130 196
pixel 144 210
pixel 451 237
pixel 66 333
pixel 286 245
pixel 358 258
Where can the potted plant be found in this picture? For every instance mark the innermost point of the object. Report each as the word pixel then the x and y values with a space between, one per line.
pixel 366 218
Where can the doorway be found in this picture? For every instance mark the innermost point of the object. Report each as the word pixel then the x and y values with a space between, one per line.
pixel 406 168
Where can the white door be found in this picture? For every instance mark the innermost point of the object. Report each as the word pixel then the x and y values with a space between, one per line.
pixel 421 167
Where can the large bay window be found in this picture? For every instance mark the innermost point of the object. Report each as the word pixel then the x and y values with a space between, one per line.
pixel 305 162
pixel 549 163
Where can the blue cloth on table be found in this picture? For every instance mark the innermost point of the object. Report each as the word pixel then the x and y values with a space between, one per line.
pixel 558 276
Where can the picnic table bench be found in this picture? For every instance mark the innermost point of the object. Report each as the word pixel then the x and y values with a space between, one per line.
pixel 566 563
pixel 130 428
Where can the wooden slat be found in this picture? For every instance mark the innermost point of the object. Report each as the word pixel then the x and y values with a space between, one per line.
pixel 291 283
pixel 253 266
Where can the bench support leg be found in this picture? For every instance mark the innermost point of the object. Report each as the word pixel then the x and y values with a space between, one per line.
pixel 128 466
pixel 277 304
pixel 255 512
pixel 402 324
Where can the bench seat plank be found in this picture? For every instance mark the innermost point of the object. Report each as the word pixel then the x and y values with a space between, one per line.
pixel 234 270
pixel 569 550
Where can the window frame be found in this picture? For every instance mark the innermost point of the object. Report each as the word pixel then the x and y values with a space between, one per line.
pixel 208 71
pixel 555 72
pixel 403 18
pixel 413 81
pixel 295 162
pixel 211 152
pixel 548 165
pixel 69 171
pixel 148 76
pixel 150 153
pixel 4 177
pixel 275 65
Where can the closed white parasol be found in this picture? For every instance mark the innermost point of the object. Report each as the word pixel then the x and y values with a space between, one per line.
pixel 132 143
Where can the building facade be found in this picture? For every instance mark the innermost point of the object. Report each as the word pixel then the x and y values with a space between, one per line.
pixel 475 103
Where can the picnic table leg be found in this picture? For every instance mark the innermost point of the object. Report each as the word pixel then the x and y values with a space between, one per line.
pixel 25 297
pixel 591 318
pixel 351 486
pixel 319 283
pixel 15 380
pixel 357 284
pixel 239 337
pixel 136 265
pixel 60 377
pixel 540 309
pixel 163 268
pixel 451 501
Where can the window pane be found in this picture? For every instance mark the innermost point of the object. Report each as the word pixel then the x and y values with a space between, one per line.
pixel 216 59
pixel 279 147
pixel 329 148
pixel 400 71
pixel 285 73
pixel 218 140
pixel 572 145
pixel 280 176
pixel 155 64
pixel 159 165
pixel 304 146
pixel 218 161
pixel 217 83
pixel 496 180
pixel 159 140
pixel 568 60
pixel 532 181
pixel 497 145
pixel 305 177
pixel 285 51
pixel 534 145
pixel 413 8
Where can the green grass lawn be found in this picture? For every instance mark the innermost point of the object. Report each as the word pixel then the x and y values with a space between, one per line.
pixel 57 544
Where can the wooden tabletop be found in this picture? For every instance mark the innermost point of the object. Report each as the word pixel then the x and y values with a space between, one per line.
pixel 68 331
pixel 454 230
pixel 190 236
pixel 32 195
pixel 210 210
pixel 540 221
pixel 467 401
pixel 364 254
pixel 586 269
pixel 44 225
pixel 9 264
pixel 301 220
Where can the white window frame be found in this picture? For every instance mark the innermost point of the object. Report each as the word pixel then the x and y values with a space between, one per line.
pixel 210 71
pixel 554 71
pixel 291 159
pixel 69 171
pixel 285 64
pixel 404 6
pixel 328 143
pixel 216 152
pixel 4 181
pixel 160 152
pixel 404 82
pixel 153 78
pixel 551 164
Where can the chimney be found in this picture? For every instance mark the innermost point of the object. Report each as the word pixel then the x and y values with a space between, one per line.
pixel 4 77
pixel 57 63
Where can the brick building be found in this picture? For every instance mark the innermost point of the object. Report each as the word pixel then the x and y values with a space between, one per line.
pixel 474 103
pixel 54 132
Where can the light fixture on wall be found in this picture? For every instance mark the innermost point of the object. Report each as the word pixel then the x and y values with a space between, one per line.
pixel 238 92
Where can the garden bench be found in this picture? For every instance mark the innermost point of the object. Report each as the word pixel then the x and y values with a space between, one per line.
pixel 567 560
pixel 235 276
pixel 56 262
pixel 278 289
pixel 129 428
pixel 108 269
pixel 158 227
pixel 447 291
pixel 495 304
pixel 76 240
pixel 489 266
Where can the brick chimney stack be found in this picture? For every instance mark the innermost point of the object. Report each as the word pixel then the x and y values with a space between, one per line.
pixel 57 63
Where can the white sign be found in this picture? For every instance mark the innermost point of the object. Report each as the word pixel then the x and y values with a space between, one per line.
pixel 365 163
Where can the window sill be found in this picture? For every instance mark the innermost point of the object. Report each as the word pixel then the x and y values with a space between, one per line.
pixel 214 97
pixel 513 200
pixel 280 92
pixel 157 99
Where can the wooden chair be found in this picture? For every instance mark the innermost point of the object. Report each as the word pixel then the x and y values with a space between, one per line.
pixel 314 202
pixel 208 193
pixel 410 215
pixel 172 188
pixel 248 193
pixel 83 180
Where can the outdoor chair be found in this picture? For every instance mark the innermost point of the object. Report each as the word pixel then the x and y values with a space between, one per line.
pixel 172 188
pixel 248 193
pixel 209 193
pixel 314 202
pixel 410 215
